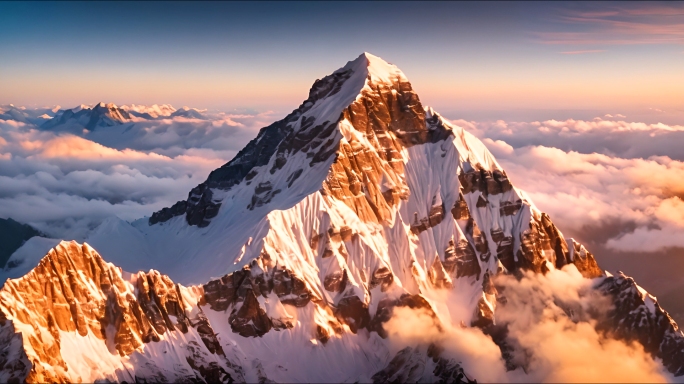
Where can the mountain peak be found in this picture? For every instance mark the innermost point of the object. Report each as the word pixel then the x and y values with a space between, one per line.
pixel 367 94
pixel 153 111
pixel 187 112
pixel 370 59
pixel 377 68
pixel 102 104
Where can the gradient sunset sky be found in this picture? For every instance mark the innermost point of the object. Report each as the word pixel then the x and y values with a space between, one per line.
pixel 468 60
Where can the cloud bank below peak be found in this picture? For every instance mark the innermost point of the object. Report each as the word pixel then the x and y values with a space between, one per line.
pixel 610 135
pixel 67 182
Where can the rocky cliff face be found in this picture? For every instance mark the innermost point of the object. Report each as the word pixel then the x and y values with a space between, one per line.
pixel 74 299
pixel 637 316
pixel 360 202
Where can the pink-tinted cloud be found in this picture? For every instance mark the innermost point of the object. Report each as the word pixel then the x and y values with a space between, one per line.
pixel 614 136
pixel 583 52
pixel 580 190
pixel 70 146
pixel 655 9
pixel 641 23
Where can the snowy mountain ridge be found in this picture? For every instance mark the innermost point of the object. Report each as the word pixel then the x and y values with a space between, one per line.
pixel 360 204
pixel 103 115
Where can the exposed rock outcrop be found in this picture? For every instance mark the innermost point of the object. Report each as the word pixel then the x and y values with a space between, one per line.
pixel 73 291
pixel 413 365
pixel 637 316
pixel 239 290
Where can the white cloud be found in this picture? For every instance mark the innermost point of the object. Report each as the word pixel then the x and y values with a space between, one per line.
pixel 613 137
pixel 66 184
pixel 567 348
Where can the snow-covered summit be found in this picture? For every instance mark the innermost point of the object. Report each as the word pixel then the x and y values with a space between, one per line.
pixel 379 69
pixel 335 103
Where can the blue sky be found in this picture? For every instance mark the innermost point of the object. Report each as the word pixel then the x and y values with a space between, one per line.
pixel 472 60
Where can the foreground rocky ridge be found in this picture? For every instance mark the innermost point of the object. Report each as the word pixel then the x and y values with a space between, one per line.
pixel 359 202
pixel 75 295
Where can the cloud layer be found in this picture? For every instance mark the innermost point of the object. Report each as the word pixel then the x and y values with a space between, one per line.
pixel 607 180
pixel 611 135
pixel 66 183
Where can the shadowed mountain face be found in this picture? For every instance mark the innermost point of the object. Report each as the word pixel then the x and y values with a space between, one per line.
pixel 12 235
pixel 293 261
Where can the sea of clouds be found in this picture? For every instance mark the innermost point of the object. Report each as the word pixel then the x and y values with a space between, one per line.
pixel 65 183
pixel 623 177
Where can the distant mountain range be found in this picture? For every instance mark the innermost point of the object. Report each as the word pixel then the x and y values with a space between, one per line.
pixel 99 116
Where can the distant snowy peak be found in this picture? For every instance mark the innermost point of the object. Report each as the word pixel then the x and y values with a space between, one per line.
pixel 190 113
pixel 90 118
pixel 154 111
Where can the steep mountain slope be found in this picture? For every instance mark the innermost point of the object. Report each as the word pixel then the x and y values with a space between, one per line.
pixel 82 320
pixel 299 251
pixel 361 152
